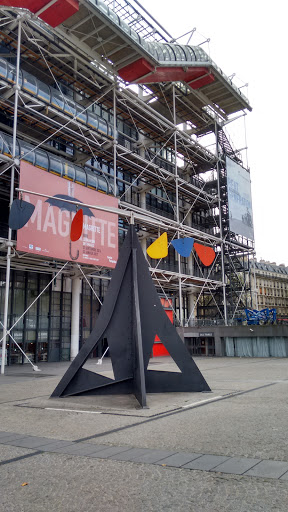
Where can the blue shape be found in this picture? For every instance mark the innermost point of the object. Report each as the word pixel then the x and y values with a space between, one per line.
pixel 21 211
pixel 183 246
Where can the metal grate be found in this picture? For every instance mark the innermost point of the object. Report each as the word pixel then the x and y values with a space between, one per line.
pixel 133 17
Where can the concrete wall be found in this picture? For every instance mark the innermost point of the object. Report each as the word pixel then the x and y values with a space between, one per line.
pixel 220 332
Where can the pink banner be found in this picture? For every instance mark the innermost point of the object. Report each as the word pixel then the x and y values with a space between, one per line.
pixel 48 231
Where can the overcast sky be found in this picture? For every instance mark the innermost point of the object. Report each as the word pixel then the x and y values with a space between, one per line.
pixel 248 38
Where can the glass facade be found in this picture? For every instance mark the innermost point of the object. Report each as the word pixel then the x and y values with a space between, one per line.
pixel 90 308
pixel 44 332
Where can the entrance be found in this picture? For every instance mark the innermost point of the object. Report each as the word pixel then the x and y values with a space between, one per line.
pixel 201 346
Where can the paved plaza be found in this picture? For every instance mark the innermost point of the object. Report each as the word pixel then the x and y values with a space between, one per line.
pixel 221 451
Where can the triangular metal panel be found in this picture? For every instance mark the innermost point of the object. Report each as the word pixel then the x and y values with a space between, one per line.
pixel 105 318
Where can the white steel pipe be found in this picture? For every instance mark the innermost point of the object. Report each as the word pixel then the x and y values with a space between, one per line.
pixel 8 263
pixel 177 210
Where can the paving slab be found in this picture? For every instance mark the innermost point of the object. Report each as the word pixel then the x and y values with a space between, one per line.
pixel 284 477
pixel 88 449
pixel 94 447
pixel 179 459
pixel 31 442
pixel 206 462
pixel 55 446
pixel 269 469
pixel 153 456
pixel 110 451
pixel 12 437
pixel 5 434
pixel 130 454
pixel 78 449
pixel 237 465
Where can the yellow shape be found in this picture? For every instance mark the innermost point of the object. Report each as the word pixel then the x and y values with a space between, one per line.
pixel 159 248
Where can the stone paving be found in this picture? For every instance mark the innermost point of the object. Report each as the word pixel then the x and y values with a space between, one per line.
pixel 201 462
pixel 222 451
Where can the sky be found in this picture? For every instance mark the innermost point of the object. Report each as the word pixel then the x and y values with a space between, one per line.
pixel 248 39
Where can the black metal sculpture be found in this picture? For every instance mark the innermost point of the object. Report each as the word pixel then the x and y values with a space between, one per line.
pixel 131 317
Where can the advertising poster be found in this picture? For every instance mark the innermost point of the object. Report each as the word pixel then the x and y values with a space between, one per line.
pixel 48 231
pixel 239 200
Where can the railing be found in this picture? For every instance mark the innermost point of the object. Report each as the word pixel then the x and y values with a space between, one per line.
pixel 130 13
pixel 210 322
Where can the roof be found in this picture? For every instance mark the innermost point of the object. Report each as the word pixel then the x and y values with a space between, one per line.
pixel 126 42
pixel 121 45
pixel 270 267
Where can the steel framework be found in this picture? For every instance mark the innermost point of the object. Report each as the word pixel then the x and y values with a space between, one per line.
pixel 165 177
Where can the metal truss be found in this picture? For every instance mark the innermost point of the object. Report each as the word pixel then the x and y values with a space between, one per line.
pixel 172 116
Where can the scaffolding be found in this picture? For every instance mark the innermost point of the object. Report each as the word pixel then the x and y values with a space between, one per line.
pixel 150 153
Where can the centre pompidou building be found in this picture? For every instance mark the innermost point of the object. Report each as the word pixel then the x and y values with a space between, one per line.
pixel 99 96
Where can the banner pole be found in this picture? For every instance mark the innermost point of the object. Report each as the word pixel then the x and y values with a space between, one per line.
pixel 9 241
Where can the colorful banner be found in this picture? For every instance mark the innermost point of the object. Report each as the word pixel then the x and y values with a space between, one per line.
pixel 47 233
pixel 239 199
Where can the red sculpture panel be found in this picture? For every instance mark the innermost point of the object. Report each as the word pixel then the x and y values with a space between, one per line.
pixel 53 15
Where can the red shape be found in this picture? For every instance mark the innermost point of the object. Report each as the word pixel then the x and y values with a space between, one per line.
pixel 169 313
pixel 158 348
pixel 205 253
pixel 173 74
pixel 135 70
pixel 201 81
pixel 77 226
pixel 145 74
pixel 54 15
